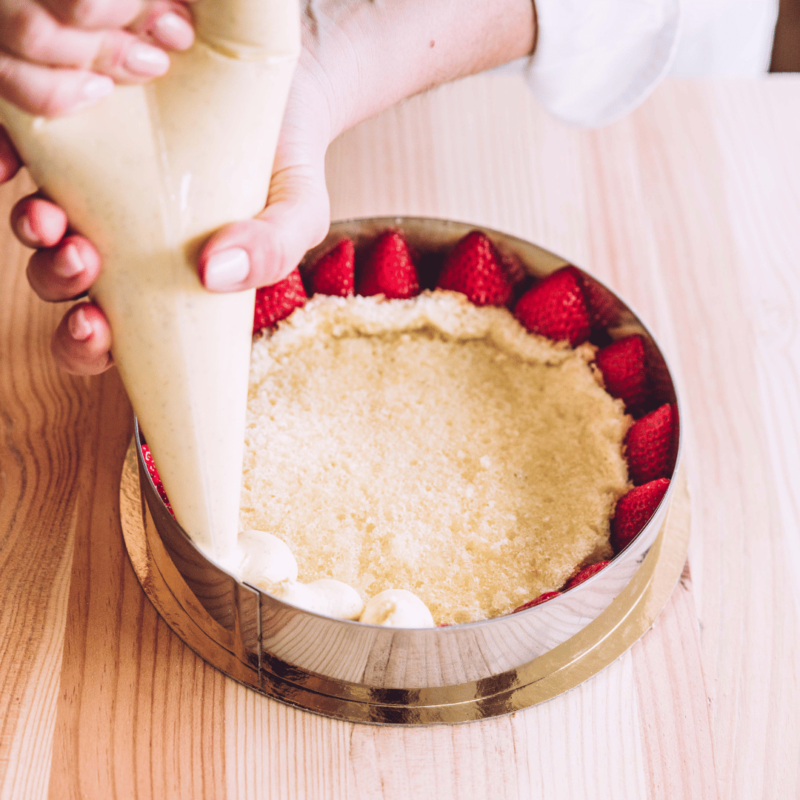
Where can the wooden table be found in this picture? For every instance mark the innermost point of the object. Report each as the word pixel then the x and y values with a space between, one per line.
pixel 689 208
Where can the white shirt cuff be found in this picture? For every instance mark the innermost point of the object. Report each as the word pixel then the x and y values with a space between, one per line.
pixel 595 62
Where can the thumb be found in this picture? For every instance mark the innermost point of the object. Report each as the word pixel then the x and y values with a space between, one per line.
pixel 266 249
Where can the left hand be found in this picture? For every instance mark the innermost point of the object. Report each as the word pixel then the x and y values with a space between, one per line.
pixel 59 55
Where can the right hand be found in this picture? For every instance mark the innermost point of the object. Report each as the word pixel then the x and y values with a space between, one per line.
pixel 355 62
pixel 59 55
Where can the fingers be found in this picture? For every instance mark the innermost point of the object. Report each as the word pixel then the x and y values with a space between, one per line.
pixel 81 344
pixel 50 91
pixel 10 162
pixel 62 267
pixel 50 68
pixel 167 23
pixel 37 222
pixel 104 14
pixel 265 250
pixel 94 13
pixel 116 53
pixel 64 272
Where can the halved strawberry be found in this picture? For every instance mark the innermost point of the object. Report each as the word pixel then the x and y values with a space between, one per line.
pixel 650 447
pixel 389 269
pixel 634 510
pixel 151 468
pixel 333 273
pixel 585 574
pixel 542 598
pixel 474 268
pixel 555 307
pixel 276 302
pixel 624 371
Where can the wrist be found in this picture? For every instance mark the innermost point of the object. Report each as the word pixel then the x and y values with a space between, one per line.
pixel 366 56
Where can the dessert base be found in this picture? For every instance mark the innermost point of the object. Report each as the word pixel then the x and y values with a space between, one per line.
pixel 557 670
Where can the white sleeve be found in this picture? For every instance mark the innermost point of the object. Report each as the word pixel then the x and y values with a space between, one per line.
pixel 725 38
pixel 596 61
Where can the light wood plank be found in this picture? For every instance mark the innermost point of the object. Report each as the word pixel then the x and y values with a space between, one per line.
pixel 676 728
pixel 139 714
pixel 40 426
pixel 749 630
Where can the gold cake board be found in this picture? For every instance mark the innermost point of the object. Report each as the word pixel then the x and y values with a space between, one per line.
pixel 563 668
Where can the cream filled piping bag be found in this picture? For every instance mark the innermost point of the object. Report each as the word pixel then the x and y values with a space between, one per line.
pixel 147 174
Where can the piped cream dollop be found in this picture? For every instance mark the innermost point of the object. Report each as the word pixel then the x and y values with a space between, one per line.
pixel 267 559
pixel 324 596
pixel 397 608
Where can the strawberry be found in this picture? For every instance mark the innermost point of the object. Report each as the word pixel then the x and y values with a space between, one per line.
pixel 555 307
pixel 634 510
pixel 473 267
pixel 276 302
pixel 604 308
pixel 517 274
pixel 624 371
pixel 650 445
pixel 151 468
pixel 585 574
pixel 333 273
pixel 389 268
pixel 542 598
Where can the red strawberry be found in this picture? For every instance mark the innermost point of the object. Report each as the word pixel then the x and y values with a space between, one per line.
pixel 555 307
pixel 333 273
pixel 473 267
pixel 585 574
pixel 624 371
pixel 633 510
pixel 276 302
pixel 542 598
pixel 604 308
pixel 512 266
pixel 389 268
pixel 650 445
pixel 151 468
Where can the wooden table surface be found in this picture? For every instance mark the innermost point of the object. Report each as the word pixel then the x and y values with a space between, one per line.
pixel 690 208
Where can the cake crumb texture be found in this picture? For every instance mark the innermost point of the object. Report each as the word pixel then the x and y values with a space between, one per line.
pixel 433 446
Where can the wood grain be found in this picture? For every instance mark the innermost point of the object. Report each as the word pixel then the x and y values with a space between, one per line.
pixel 688 207
pixel 741 536
pixel 40 428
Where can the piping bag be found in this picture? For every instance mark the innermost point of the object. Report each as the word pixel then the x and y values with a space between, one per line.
pixel 147 174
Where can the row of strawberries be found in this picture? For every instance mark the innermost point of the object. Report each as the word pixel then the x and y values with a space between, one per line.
pixel 562 307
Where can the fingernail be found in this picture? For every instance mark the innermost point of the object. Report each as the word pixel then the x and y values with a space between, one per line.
pixel 96 88
pixel 79 328
pixel 27 230
pixel 143 59
pixel 226 270
pixel 68 262
pixel 173 31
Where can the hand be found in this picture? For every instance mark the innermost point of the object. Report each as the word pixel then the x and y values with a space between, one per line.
pixel 357 59
pixel 58 55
